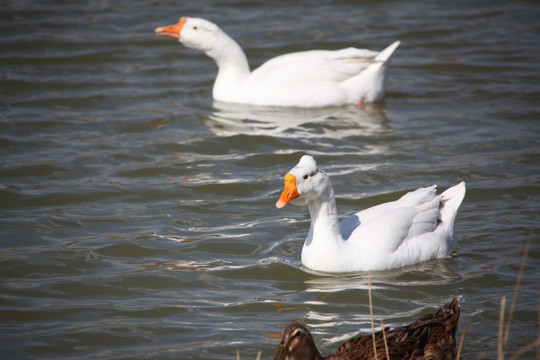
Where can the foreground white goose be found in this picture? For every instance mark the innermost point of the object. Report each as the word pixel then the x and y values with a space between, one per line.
pixel 417 227
pixel 302 79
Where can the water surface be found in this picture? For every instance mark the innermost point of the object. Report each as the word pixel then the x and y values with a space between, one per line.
pixel 137 216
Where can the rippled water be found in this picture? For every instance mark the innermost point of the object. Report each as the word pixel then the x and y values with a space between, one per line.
pixel 138 219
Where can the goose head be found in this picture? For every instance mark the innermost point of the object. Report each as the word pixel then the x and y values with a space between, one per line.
pixel 297 343
pixel 305 183
pixel 194 33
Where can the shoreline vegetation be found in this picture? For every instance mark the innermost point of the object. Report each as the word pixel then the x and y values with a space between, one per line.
pixel 503 333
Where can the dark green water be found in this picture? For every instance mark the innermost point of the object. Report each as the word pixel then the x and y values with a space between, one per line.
pixel 137 218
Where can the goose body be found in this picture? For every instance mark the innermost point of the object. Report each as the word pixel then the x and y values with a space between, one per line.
pixel 417 227
pixel 314 78
pixel 432 336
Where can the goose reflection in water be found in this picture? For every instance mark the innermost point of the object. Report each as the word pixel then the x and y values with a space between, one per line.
pixel 328 122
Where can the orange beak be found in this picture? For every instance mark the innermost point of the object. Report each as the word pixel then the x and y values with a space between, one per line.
pixel 172 31
pixel 290 192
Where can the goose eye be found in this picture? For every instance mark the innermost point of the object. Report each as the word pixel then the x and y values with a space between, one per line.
pixel 305 177
pixel 195 27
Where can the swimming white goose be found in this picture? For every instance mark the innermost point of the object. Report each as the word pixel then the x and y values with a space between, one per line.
pixel 417 227
pixel 302 79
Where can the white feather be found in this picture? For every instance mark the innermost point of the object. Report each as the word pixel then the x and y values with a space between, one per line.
pixel 417 227
pixel 302 79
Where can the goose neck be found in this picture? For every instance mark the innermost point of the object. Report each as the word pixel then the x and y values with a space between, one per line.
pixel 324 218
pixel 229 56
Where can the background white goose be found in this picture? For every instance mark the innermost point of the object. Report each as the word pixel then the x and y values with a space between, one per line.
pixel 302 79
pixel 417 227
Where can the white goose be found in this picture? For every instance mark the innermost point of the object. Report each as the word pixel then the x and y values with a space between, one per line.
pixel 417 227
pixel 302 79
